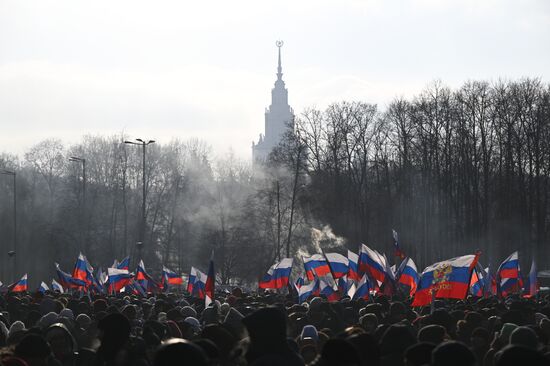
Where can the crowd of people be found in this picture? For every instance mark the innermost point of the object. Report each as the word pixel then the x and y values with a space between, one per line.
pixel 270 329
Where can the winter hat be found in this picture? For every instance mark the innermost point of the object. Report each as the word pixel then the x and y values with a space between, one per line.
pixel 309 331
pixel 67 313
pixel 17 326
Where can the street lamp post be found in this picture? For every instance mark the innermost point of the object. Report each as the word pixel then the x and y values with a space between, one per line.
pixel 13 252
pixel 144 192
pixel 83 210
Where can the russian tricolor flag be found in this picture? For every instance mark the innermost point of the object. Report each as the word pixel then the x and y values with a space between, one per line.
pixel 19 286
pixel 191 279
pixel 124 264
pixel 43 287
pixel 338 264
pixel 353 269
pixel 171 277
pixel 80 269
pixel 210 283
pixel 446 279
pixel 476 283
pixel 508 275
pixel 118 279
pixel 397 250
pixel 308 290
pixel 299 283
pixel 328 288
pixel 199 284
pixel 372 263
pixel 408 275
pixel 363 289
pixel 315 265
pixel 532 284
pixel 143 278
pixel 67 280
pixel 278 275
pixel 57 287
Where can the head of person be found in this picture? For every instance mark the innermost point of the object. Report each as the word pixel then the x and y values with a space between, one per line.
pixel 34 350
pixel 177 351
pixel 452 354
pixel 61 341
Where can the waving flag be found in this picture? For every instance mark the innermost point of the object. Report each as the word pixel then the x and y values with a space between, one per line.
pixel 19 286
pixel 124 264
pixel 373 264
pixel 66 280
pixel 145 281
pixel 43 287
pixel 57 287
pixel 476 283
pixel 509 275
pixel 397 250
pixel 338 264
pixel 199 284
pixel 118 279
pixel 191 279
pixel 363 289
pixel 532 285
pixel 299 283
pixel 446 279
pixel 278 275
pixel 210 283
pixel 308 290
pixel 80 269
pixel 315 265
pixel 101 277
pixel 136 288
pixel 170 277
pixel 353 269
pixel 328 288
pixel 408 275
pixel 343 285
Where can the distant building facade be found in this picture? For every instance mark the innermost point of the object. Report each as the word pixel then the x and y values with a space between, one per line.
pixel 279 117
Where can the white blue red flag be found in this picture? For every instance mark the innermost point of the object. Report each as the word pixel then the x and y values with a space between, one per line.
pixel 278 275
pixel 353 269
pixel 328 288
pixel 43 287
pixel 191 279
pixel 80 269
pixel 397 250
pixel 532 284
pixel 373 264
pixel 66 280
pixel 476 283
pixel 315 265
pixel 170 277
pixel 338 263
pixel 19 286
pixel 118 279
pixel 446 279
pixel 363 289
pixel 408 275
pixel 56 286
pixel 509 275
pixel 308 290
pixel 124 264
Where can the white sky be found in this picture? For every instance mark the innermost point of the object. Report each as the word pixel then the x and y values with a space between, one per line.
pixel 164 69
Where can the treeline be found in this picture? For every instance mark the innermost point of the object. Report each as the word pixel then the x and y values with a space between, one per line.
pixel 451 170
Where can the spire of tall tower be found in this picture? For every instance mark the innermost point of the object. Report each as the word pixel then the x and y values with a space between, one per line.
pixel 279 68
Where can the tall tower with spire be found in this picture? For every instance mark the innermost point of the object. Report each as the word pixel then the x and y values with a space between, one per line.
pixel 279 117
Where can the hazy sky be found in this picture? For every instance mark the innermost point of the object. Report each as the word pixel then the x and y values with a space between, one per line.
pixel 164 69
